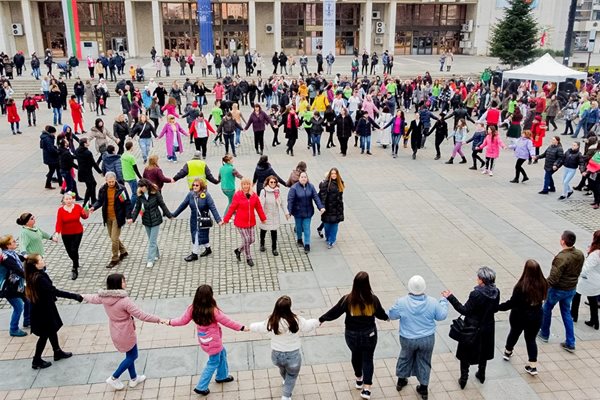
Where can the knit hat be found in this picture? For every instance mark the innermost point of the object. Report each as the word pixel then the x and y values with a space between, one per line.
pixel 416 285
pixel 197 155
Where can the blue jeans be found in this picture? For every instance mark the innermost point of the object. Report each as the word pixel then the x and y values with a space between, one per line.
pixel 362 346
pixel 568 175
pixel 173 157
pixel 133 185
pixel 331 230
pixel 580 124
pixel 19 306
pixel 229 138
pixel 289 363
pixel 548 181
pixel 303 228
pixel 238 134
pixel 145 146
pixel 365 143
pixel 563 298
pixel 128 364
pixel 315 142
pixel 152 232
pixel 57 112
pixel 217 362
pixel 36 73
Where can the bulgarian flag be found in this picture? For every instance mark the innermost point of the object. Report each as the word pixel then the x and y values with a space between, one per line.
pixel 142 211
pixel 86 208
pixel 594 164
pixel 122 197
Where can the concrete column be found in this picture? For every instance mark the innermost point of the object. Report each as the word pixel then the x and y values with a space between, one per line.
pixel 131 29
pixel 6 40
pixel 157 27
pixel 368 24
pixel 391 26
pixel 277 25
pixel 252 24
pixel 27 19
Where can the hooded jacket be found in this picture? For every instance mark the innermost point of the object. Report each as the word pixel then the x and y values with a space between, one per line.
pixel 417 314
pixel 49 150
pixel 112 162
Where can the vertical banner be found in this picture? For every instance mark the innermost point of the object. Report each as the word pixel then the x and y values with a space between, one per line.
pixel 328 27
pixel 205 28
pixel 71 19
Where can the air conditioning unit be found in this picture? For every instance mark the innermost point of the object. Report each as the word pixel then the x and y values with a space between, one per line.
pixel 269 28
pixel 464 36
pixel 464 44
pixel 379 28
pixel 376 15
pixel 467 26
pixel 17 29
pixel 378 40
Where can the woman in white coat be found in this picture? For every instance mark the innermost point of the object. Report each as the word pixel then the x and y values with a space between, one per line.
pixel 385 135
pixel 589 283
pixel 271 201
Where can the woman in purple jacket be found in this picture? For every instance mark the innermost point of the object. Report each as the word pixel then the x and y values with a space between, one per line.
pixel 524 149
pixel 258 119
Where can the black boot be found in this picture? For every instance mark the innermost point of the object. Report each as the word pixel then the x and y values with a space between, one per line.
pixel 422 390
pixel 464 161
pixel 207 252
pixel 300 243
pixel 464 374
pixel 40 364
pixel 74 273
pixel 401 383
pixel 191 257
pixel 450 161
pixel 61 355
pixel 275 252
pixel 480 375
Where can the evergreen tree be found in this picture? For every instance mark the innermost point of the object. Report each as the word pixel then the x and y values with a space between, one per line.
pixel 514 38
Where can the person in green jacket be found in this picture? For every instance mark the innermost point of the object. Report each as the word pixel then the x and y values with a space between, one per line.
pixel 227 175
pixel 306 119
pixel 30 239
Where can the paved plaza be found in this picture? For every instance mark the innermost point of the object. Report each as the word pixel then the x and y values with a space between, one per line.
pixel 402 217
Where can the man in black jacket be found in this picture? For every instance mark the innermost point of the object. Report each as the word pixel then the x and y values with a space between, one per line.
pixel 114 200
pixel 19 60
pixel 50 155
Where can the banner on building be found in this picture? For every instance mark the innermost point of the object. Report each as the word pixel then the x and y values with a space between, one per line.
pixel 328 27
pixel 71 19
pixel 205 27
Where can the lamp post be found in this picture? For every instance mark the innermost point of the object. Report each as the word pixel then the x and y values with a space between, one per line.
pixel 569 34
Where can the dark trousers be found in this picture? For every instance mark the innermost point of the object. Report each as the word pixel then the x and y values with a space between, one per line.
pixel 548 181
pixel 259 142
pixel 90 192
pixel 72 243
pixel 489 163
pixel 52 169
pixel 290 145
pixel 263 235
pixel 593 300
pixel 568 127
pixel 200 144
pixel 550 121
pixel 330 140
pixel 464 369
pixel 343 144
pixel 362 346
pixel 530 325
pixel 438 141
pixel 229 142
pixel 594 186
pixel 275 138
pixel 475 156
pixel 31 117
pixel 519 168
pixel 41 345
pixel 71 184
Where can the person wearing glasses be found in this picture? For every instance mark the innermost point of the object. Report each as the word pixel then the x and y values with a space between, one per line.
pixel 271 200
pixel 31 237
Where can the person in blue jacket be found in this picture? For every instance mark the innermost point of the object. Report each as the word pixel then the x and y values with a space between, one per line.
pixel 300 205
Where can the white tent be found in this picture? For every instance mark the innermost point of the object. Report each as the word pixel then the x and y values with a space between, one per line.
pixel 545 68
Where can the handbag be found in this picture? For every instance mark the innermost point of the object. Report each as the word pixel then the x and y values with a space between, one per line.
pixel 204 219
pixel 464 333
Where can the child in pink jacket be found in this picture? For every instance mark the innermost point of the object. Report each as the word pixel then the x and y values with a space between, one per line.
pixel 492 144
pixel 121 311
pixel 208 318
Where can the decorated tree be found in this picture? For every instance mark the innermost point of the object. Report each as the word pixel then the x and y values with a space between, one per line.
pixel 514 38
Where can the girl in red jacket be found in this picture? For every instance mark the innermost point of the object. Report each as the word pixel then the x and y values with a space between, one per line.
pixel 13 116
pixel 538 132
pixel 245 203
pixel 68 225
pixel 76 115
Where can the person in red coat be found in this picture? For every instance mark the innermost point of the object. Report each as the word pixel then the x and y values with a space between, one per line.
pixel 13 116
pixel 68 225
pixel 538 131
pixel 76 114
pixel 245 202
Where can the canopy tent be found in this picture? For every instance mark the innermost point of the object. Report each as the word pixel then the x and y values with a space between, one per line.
pixel 545 68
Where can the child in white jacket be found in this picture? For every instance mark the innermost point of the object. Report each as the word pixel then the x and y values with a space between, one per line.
pixel 283 327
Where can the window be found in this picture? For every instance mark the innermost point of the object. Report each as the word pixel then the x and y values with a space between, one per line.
pixel 580 41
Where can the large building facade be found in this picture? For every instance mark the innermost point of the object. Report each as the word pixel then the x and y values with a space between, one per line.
pixel 400 26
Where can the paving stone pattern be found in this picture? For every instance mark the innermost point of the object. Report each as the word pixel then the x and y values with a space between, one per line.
pixel 579 212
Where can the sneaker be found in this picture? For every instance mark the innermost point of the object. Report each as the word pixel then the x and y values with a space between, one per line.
pixel 18 333
pixel 228 379
pixel 358 384
pixel 562 197
pixel 122 256
pixel 542 338
pixel 250 262
pixel 320 233
pixel 491 173
pixel 300 243
pixel 365 394
pixel 570 349
pixel 531 370
pixel 191 257
pixel 329 245
pixel 202 392
pixel 238 254
pixel 138 379
pixel 484 172
pixel 207 252
pixel 150 264
pixel 306 248
pixel 506 356
pixel 275 252
pixel 115 383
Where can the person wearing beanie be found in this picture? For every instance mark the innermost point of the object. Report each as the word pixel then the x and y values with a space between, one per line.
pixel 50 155
pixel 417 313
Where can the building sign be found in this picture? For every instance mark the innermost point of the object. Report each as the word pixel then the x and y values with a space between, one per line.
pixel 328 26
pixel 205 26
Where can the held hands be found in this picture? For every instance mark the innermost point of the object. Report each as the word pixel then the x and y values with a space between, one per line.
pixel 322 210
pixel 554 168
pixel 287 216
pixel 129 221
pixel 446 293
pixel 246 329
pixel 55 237
pixel 165 322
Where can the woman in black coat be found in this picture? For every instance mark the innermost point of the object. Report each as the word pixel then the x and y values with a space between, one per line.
pixel 66 162
pixel 331 193
pixel 121 131
pixel 344 126
pixel 415 131
pixel 329 117
pixel 290 122
pixel 262 172
pixel 86 163
pixel 45 319
pixel 479 312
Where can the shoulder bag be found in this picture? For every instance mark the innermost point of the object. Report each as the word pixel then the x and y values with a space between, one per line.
pixel 465 333
pixel 204 219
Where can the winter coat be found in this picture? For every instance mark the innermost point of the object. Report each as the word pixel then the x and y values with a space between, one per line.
pixel 12 113
pixel 566 268
pixel 300 200
pixel 291 132
pixel 344 126
pixel 85 162
pixel 197 204
pixel 261 173
pixel 112 163
pixel 271 200
pixel 553 157
pixel 589 279
pixel 45 319
pixel 492 147
pixel 415 130
pixel 333 201
pixel 365 126
pixel 173 135
pixel 573 159
pixel 156 176
pixel 121 130
pixel 258 122
pixel 122 204
pixel 12 275
pixel 523 148
pixel 244 205
pixel 101 137
pixel 121 311
pixel 49 150
pixel 150 205
pixel 66 161
pixel 210 336
pixel 478 311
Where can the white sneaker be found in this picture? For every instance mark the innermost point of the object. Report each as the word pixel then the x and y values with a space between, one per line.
pixel 491 173
pixel 485 171
pixel 150 264
pixel 285 398
pixel 139 379
pixel 115 383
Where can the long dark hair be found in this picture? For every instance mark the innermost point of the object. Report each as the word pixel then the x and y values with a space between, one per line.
pixel 595 242
pixel 115 281
pixel 31 277
pixel 283 309
pixel 361 300
pixel 532 284
pixel 204 306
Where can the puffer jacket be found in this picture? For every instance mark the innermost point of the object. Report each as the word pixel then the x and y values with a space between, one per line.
pixel 333 200
pixel 272 202
pixel 573 159
pixel 566 268
pixel 151 215
pixel 552 156
pixel 210 337
pixel 49 150
pixel 300 200
pixel 121 311
pixel 244 207
pixel 112 163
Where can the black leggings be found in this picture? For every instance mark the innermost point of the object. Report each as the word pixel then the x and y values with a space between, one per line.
pixel 530 325
pixel 475 157
pixel 438 141
pixel 343 144
pixel 275 138
pixel 290 145
pixel 519 170
pixel 489 163
pixel 259 143
pixel 550 121
pixel 41 345
pixel 200 144
pixel 90 192
pixel 72 243
pixel 330 140
pixel 592 300
pixel 263 235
